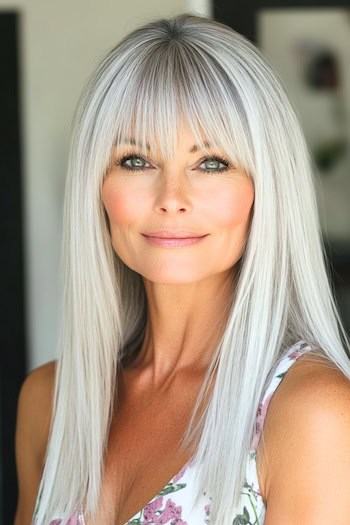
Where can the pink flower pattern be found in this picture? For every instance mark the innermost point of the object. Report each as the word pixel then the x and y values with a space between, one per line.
pixel 170 514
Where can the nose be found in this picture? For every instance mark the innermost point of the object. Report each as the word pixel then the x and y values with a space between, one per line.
pixel 173 194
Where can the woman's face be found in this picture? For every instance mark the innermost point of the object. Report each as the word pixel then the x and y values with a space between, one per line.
pixel 178 221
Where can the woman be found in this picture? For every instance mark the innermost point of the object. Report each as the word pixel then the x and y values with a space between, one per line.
pixel 194 280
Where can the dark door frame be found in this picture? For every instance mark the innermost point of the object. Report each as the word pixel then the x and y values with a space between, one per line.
pixel 12 303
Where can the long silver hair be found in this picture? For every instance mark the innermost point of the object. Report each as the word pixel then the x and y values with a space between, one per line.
pixel 169 69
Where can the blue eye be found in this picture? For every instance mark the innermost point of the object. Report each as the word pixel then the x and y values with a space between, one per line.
pixel 213 163
pixel 137 162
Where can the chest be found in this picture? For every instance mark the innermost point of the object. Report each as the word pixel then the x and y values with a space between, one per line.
pixel 143 451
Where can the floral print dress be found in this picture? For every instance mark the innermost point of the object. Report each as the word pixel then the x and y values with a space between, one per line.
pixel 173 505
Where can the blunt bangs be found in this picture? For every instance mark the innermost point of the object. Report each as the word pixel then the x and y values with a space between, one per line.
pixel 178 85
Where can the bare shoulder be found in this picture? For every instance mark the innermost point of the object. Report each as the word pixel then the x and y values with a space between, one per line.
pixel 34 410
pixel 305 447
pixel 35 401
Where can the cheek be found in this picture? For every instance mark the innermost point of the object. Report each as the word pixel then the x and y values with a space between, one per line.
pixel 121 205
pixel 231 208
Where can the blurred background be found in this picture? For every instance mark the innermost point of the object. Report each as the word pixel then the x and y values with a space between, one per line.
pixel 48 50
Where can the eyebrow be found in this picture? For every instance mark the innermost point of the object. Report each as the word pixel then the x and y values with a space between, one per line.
pixel 193 149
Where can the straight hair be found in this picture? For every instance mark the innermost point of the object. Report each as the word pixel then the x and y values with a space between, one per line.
pixel 199 71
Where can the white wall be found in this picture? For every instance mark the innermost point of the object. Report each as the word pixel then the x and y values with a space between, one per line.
pixel 61 42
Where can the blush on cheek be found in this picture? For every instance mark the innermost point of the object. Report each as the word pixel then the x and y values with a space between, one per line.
pixel 242 204
pixel 120 205
pixel 235 206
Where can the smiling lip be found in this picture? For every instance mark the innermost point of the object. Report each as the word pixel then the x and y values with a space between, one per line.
pixel 173 239
pixel 167 234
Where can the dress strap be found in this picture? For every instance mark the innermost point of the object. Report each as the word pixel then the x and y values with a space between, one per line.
pixel 273 380
pixel 254 503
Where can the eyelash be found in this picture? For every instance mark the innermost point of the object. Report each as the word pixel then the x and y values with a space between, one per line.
pixel 128 156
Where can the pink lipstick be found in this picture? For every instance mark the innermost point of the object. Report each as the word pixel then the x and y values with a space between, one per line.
pixel 172 239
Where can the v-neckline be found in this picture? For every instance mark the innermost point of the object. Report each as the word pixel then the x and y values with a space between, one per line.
pixel 182 471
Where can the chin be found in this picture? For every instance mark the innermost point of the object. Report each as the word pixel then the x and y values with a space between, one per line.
pixel 172 278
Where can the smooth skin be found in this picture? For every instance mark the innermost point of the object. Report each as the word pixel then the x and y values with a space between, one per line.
pixel 304 456
pixel 32 430
pixel 305 468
